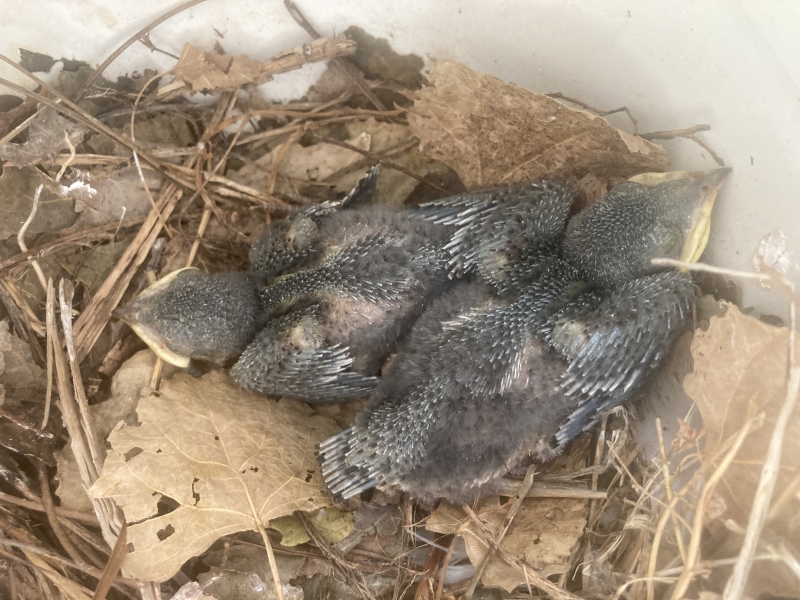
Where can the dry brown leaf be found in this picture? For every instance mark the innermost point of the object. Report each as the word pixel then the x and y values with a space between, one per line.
pixel 543 533
pixel 494 133
pixel 228 460
pixel 333 523
pixel 17 187
pixel 213 72
pixel 46 137
pixel 22 392
pixel 739 360
pixel 120 198
pixel 126 388
pixel 315 163
pixel 393 187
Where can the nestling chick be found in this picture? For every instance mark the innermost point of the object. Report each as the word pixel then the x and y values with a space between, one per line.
pixel 328 294
pixel 335 321
pixel 484 380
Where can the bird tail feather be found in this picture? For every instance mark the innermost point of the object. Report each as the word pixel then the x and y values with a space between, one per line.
pixel 344 480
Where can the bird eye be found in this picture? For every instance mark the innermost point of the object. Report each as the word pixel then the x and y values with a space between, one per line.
pixel 670 242
pixel 665 242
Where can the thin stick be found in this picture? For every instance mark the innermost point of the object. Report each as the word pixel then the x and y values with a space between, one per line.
pixel 49 509
pixel 773 277
pixel 693 552
pixel 132 40
pixel 512 512
pixel 345 569
pixel 112 567
pixel 445 566
pixel 351 72
pixel 280 154
pixel 48 396
pixel 65 295
pixel 734 589
pixel 139 166
pixel 689 134
pixel 24 228
pixel 598 456
pixel 598 112
pixel 73 111
pixel 668 486
pixel 89 570
pixel 386 163
pixel 537 580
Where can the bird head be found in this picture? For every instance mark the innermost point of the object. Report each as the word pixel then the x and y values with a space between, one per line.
pixel 189 314
pixel 653 215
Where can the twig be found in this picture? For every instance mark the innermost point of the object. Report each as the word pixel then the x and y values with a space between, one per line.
pixel 65 295
pixel 104 508
pixel 280 154
pixel 598 456
pixel 348 70
pixel 353 577
pixel 512 512
pixel 84 238
pixel 136 159
pixel 774 278
pixel 598 112
pixel 446 565
pixel 148 43
pixel 313 114
pixel 132 40
pixel 89 570
pixel 668 486
pixel 112 567
pixel 430 568
pixel 65 586
pixel 734 589
pixel 24 228
pixel 73 111
pixel 378 159
pixel 95 316
pixel 689 134
pixel 537 580
pixel 49 509
pixel 693 551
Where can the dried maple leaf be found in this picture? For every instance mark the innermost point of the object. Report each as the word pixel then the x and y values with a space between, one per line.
pixel 494 133
pixel 543 533
pixel 228 460
pixel 739 361
pixel 213 72
pixel 46 137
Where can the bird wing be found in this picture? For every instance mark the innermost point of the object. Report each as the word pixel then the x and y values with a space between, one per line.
pixel 612 341
pixel 356 197
pixel 284 361
pixel 361 191
pixel 353 269
pixel 496 226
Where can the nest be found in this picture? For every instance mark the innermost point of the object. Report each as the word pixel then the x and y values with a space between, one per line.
pixel 118 183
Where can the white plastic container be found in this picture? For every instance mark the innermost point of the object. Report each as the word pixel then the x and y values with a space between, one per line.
pixel 733 65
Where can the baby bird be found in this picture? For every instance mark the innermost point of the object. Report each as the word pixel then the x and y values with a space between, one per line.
pixel 486 379
pixel 328 294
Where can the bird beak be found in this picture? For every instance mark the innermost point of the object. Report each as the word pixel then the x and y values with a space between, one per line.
pixel 699 189
pixel 156 342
